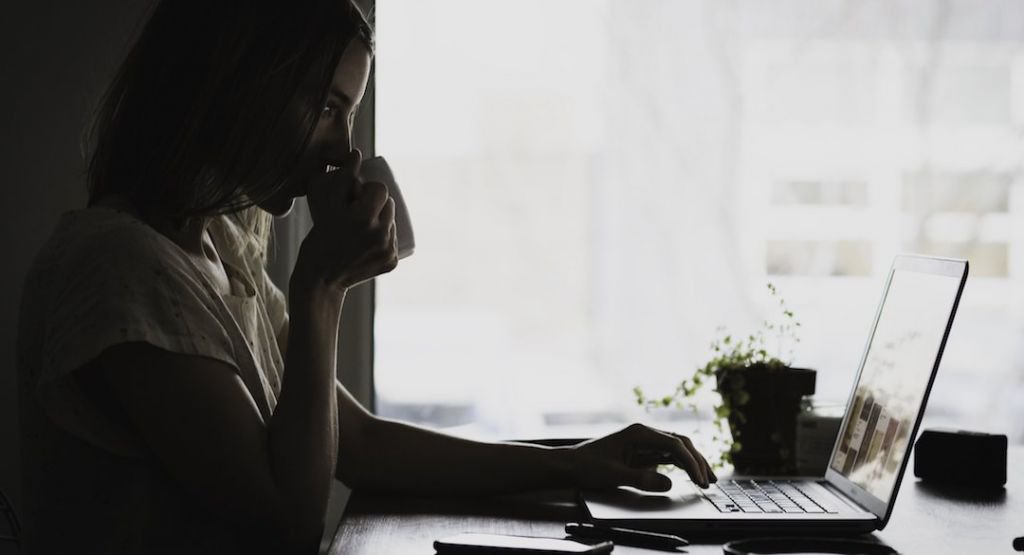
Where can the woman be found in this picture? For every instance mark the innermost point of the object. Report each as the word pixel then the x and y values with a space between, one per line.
pixel 171 403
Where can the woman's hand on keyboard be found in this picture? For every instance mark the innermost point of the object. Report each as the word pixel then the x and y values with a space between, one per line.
pixel 630 457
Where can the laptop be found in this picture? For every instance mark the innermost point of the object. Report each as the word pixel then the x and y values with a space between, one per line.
pixel 869 457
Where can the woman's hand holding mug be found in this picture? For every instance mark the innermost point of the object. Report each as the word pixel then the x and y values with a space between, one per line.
pixel 353 237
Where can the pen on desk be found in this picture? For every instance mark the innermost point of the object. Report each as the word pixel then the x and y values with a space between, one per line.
pixel 626 536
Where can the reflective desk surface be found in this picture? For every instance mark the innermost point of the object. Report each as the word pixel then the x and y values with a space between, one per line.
pixel 926 519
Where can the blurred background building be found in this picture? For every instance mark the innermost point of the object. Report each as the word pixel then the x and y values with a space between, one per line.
pixel 597 185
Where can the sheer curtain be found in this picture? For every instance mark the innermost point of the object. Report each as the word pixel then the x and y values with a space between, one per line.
pixel 597 186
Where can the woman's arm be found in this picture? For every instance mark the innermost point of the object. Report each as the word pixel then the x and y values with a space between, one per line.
pixel 367 461
pixel 388 456
pixel 385 455
pixel 199 421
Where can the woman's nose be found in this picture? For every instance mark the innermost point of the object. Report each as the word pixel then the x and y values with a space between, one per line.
pixel 346 143
pixel 334 152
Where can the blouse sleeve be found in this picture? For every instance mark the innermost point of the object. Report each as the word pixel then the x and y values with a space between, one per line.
pixel 122 288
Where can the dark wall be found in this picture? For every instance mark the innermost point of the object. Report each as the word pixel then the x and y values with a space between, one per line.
pixel 57 57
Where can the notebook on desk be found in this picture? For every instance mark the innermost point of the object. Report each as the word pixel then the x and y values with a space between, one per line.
pixel 870 454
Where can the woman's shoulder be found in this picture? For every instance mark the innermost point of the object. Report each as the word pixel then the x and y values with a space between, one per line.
pixel 92 246
pixel 102 234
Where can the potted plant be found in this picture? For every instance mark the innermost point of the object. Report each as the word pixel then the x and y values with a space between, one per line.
pixel 760 392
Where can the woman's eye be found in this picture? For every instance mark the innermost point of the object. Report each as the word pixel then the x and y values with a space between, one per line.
pixel 328 111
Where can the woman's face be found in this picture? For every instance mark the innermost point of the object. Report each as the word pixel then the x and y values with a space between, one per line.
pixel 332 136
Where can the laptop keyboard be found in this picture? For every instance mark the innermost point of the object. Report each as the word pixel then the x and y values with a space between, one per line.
pixel 765 496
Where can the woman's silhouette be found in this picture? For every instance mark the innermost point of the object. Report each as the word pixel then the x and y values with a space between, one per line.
pixel 171 403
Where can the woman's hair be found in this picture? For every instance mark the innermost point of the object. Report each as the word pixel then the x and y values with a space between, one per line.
pixel 215 103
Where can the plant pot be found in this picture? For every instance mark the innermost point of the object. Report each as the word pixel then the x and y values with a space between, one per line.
pixel 763 403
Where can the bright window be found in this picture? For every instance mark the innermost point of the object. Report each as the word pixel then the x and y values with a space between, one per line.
pixel 597 185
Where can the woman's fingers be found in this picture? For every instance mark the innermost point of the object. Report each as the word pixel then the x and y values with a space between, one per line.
pixel 377 261
pixel 382 229
pixel 392 247
pixel 707 466
pixel 687 455
pixel 386 217
pixel 628 457
pixel 353 237
pixel 682 455
pixel 372 200
pixel 339 186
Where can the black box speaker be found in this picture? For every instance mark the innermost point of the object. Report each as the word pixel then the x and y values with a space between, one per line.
pixel 962 458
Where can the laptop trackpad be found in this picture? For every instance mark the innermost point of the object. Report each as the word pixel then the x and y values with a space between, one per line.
pixel 682 501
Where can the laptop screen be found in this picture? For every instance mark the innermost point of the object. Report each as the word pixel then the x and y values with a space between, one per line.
pixel 894 378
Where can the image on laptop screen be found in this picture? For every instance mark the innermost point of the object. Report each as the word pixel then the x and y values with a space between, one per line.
pixel 893 382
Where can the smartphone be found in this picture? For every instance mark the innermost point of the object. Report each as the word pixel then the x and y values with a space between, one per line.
pixel 498 543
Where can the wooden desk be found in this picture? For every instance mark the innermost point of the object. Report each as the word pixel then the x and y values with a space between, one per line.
pixel 926 519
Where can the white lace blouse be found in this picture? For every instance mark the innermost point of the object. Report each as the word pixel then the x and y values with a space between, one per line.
pixel 103 278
